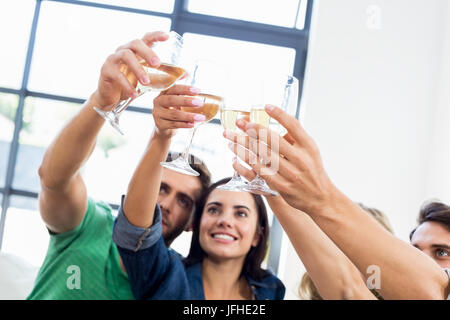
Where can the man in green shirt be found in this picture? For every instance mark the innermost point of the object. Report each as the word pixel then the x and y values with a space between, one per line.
pixel 82 261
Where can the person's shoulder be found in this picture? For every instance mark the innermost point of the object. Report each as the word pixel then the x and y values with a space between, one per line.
pixel 98 216
pixel 99 210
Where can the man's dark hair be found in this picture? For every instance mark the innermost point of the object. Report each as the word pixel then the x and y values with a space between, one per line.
pixel 254 258
pixel 433 212
pixel 196 164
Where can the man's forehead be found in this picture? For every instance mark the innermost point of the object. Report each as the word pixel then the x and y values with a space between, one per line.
pixel 182 183
pixel 429 233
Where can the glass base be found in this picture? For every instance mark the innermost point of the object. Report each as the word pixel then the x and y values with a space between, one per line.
pixel 181 166
pixel 234 185
pixel 111 118
pixel 259 186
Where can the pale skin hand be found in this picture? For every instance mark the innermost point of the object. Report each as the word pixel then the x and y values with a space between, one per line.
pixel 333 274
pixel 63 198
pixel 113 85
pixel 303 183
pixel 167 113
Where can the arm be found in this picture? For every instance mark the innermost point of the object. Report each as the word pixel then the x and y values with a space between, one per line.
pixel 332 272
pixel 143 189
pixel 154 272
pixel 304 184
pixel 63 196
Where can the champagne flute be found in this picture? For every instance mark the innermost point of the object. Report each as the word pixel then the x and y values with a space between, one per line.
pixel 161 78
pixel 241 98
pixel 279 90
pixel 203 76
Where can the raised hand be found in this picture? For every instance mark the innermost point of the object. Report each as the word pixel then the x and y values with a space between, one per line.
pixel 291 164
pixel 167 111
pixel 114 85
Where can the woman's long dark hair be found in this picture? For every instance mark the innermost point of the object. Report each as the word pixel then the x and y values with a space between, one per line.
pixel 254 258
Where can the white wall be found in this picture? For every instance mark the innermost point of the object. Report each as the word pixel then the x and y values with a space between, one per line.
pixel 439 166
pixel 375 100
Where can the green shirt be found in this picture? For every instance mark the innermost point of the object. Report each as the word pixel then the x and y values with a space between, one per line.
pixel 83 263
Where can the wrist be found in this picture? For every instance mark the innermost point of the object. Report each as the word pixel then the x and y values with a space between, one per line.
pixel 95 100
pixel 331 205
pixel 164 134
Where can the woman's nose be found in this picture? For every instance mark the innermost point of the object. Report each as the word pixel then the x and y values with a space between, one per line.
pixel 225 219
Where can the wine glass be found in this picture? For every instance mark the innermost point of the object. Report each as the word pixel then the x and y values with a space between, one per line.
pixel 279 90
pixel 204 76
pixel 243 95
pixel 161 78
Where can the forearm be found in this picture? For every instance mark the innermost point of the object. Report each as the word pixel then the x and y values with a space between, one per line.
pixel 333 274
pixel 144 186
pixel 72 147
pixel 405 272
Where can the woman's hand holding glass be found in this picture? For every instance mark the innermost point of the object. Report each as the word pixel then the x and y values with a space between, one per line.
pixel 169 110
pixel 209 101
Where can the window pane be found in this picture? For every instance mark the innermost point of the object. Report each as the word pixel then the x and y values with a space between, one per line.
pixel 25 233
pixel 15 33
pixel 42 120
pixel 153 5
pixel 8 107
pixel 113 160
pixel 245 55
pixel 301 14
pixel 280 13
pixel 112 164
pixel 210 146
pixel 85 37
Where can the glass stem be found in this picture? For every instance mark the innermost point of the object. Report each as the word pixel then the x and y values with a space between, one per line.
pixel 124 103
pixel 186 151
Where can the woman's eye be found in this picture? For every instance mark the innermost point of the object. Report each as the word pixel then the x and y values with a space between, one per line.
pixel 213 210
pixel 241 214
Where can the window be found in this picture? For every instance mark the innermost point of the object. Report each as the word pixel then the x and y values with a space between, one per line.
pixel 8 107
pixel 25 232
pixel 245 55
pixel 279 13
pixel 55 52
pixel 15 33
pixel 67 59
pixel 153 5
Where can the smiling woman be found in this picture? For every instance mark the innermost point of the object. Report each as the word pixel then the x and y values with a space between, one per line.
pixel 235 218
pixel 229 242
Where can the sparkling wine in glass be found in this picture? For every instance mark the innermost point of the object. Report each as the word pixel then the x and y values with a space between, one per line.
pixel 161 78
pixel 228 118
pixel 211 105
pixel 279 90
pixel 206 75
